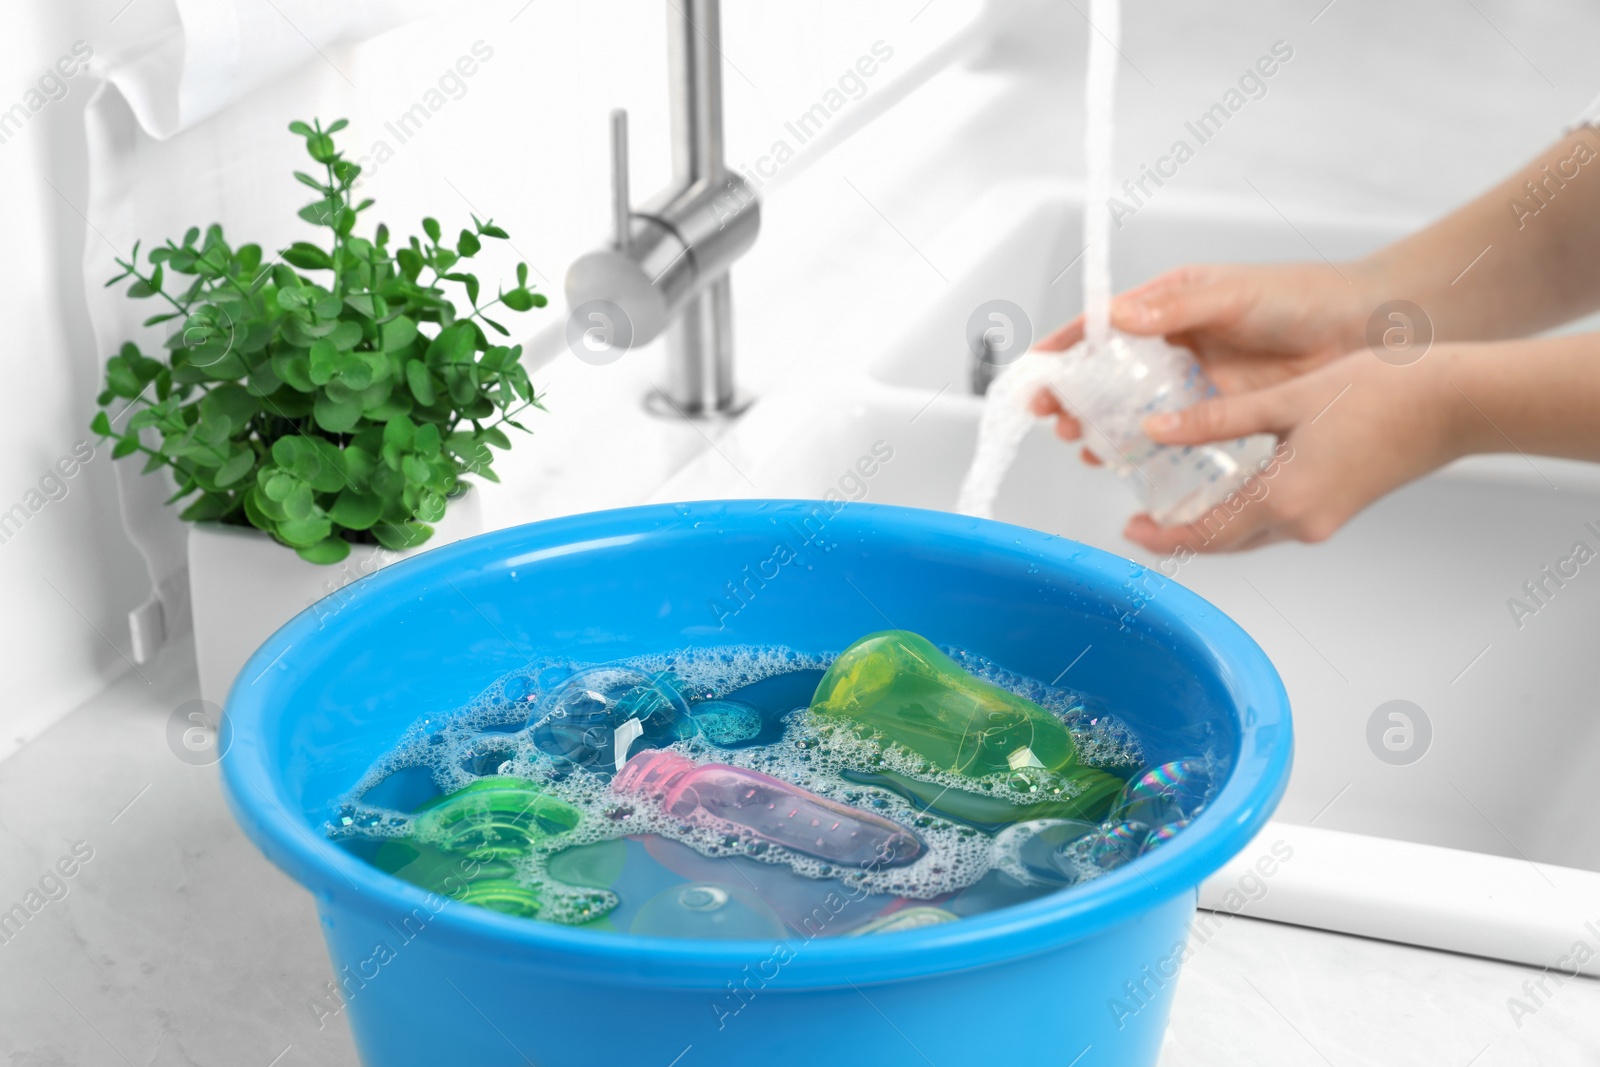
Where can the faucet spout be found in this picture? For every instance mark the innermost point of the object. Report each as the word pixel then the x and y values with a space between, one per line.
pixel 694 61
pixel 666 268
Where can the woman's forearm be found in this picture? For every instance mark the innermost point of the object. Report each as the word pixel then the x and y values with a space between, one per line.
pixel 1538 397
pixel 1519 259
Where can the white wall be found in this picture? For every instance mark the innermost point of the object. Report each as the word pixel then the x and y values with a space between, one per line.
pixel 1389 108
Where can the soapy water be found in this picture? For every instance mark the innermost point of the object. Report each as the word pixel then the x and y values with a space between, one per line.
pixel 1110 380
pixel 744 707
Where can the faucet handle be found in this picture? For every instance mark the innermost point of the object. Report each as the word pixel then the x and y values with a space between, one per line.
pixel 621 210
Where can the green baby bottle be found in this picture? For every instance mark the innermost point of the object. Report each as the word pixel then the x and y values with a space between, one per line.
pixel 464 844
pixel 496 817
pixel 908 692
pixel 1081 793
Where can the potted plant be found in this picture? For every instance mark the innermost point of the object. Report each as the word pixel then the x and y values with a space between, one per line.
pixel 322 407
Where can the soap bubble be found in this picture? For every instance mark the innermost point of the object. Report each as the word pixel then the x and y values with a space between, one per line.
pixel 1172 791
pixel 581 720
pixel 1117 843
pixel 708 910
pixel 1162 834
pixel 726 722
pixel 1026 850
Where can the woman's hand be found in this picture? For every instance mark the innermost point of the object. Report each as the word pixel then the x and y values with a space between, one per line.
pixel 1250 326
pixel 1351 431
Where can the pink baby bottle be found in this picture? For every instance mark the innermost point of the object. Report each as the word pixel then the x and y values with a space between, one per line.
pixel 740 801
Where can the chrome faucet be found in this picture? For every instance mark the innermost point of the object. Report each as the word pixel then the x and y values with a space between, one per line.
pixel 666 267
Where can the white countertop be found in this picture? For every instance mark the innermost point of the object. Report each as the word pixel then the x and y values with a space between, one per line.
pixel 178 943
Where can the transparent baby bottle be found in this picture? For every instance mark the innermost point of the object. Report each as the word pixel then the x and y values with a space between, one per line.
pixel 1114 389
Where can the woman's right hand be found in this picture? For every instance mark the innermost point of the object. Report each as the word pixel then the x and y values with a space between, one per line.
pixel 1251 326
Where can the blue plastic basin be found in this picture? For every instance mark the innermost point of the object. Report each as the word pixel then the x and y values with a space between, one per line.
pixel 1088 973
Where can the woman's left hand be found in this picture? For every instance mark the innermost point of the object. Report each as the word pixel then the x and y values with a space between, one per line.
pixel 1350 432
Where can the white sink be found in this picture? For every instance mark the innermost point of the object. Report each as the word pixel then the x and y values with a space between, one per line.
pixel 1410 601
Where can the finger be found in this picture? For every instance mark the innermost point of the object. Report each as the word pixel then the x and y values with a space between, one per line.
pixel 1185 277
pixel 1068 428
pixel 1180 300
pixel 1045 403
pixel 1064 338
pixel 1143 531
pixel 1221 418
pixel 1232 526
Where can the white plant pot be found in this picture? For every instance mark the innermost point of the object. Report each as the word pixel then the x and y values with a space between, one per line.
pixel 243 586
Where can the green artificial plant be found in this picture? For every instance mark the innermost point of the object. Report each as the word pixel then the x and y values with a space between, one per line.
pixel 338 408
